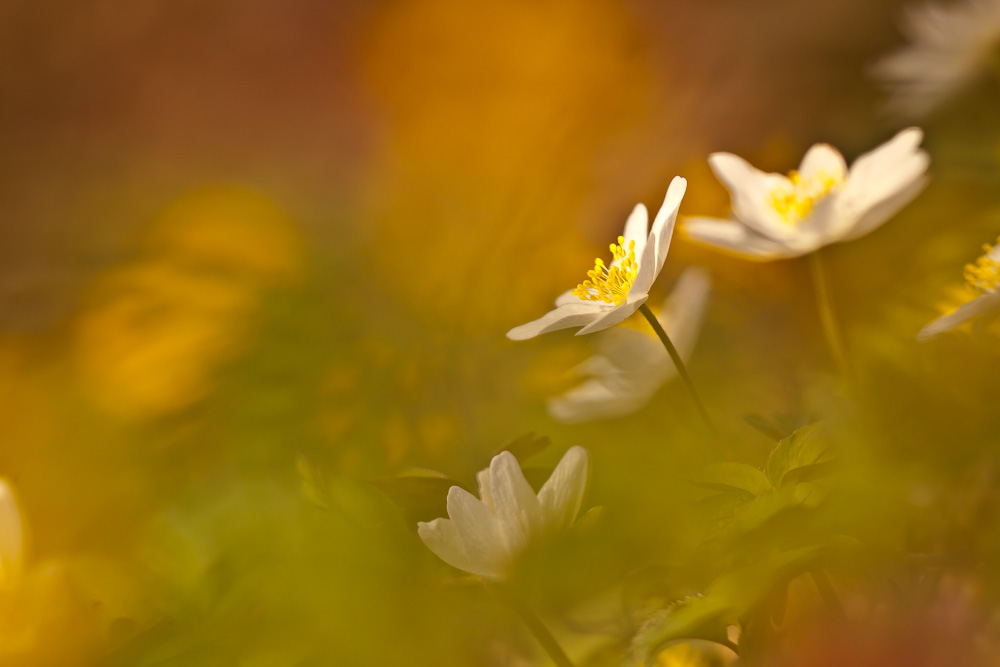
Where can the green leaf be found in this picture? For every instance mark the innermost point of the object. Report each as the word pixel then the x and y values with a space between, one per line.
pixel 524 446
pixel 733 475
pixel 697 617
pixel 421 497
pixel 802 448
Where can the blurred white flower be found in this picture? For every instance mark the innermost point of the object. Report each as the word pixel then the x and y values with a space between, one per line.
pixel 949 45
pixel 984 277
pixel 632 364
pixel 776 217
pixel 483 536
pixel 614 292
pixel 11 535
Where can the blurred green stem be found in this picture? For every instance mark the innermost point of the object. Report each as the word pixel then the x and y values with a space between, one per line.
pixel 679 363
pixel 534 624
pixel 828 316
pixel 829 595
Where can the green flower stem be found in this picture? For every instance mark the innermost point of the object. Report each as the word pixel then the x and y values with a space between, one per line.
pixel 681 368
pixel 828 316
pixel 534 624
pixel 829 595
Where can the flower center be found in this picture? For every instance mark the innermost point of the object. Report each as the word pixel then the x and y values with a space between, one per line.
pixel 611 284
pixel 984 274
pixel 796 201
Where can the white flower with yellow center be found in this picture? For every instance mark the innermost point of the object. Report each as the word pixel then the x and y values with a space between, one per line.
pixel 632 364
pixel 485 535
pixel 823 202
pixel 949 46
pixel 11 536
pixel 613 292
pixel 984 277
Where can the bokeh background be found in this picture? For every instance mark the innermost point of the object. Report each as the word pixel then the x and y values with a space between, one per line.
pixel 257 260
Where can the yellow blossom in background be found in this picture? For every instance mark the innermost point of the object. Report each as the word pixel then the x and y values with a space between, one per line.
pixel 153 333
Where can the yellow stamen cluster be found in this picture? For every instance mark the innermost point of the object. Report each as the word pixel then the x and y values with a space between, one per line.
pixel 984 274
pixel 611 284
pixel 795 203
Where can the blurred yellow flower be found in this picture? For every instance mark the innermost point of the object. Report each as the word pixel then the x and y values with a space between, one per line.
pixel 777 217
pixel 983 276
pixel 950 44
pixel 612 293
pixel 680 655
pixel 483 536
pixel 632 364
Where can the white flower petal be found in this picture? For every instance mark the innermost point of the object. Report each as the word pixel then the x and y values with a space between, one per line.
pixel 11 533
pixel 684 310
pixel 517 508
pixel 563 317
pixel 751 191
pixel 658 243
pixel 485 494
pixel 592 400
pixel 441 537
pixel 874 217
pixel 478 530
pixel 878 176
pixel 562 494
pixel 637 228
pixel 823 160
pixel 614 316
pixel 738 239
pixel 978 306
pixel 568 297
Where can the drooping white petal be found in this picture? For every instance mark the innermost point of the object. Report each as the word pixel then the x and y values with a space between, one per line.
pixel 614 316
pixel 11 533
pixel 751 191
pixel 478 529
pixel 658 243
pixel 517 508
pixel 441 537
pixel 563 317
pixel 738 239
pixel 823 161
pixel 591 400
pixel 562 494
pixel 684 310
pixel 978 306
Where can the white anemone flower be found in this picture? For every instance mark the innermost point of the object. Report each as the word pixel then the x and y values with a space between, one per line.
pixel 11 535
pixel 984 277
pixel 949 46
pixel 823 202
pixel 612 293
pixel 484 536
pixel 632 364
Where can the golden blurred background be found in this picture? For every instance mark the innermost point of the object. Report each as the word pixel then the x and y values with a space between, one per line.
pixel 251 245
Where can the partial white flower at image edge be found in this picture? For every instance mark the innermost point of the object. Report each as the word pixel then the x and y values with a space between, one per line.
pixel 983 276
pixel 631 364
pixel 11 535
pixel 613 292
pixel 823 202
pixel 485 535
pixel 949 46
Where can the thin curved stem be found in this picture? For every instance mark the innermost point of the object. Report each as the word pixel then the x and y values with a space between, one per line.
pixel 535 625
pixel 679 363
pixel 828 317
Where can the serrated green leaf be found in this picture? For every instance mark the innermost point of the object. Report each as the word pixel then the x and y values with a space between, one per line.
pixel 733 475
pixel 803 447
